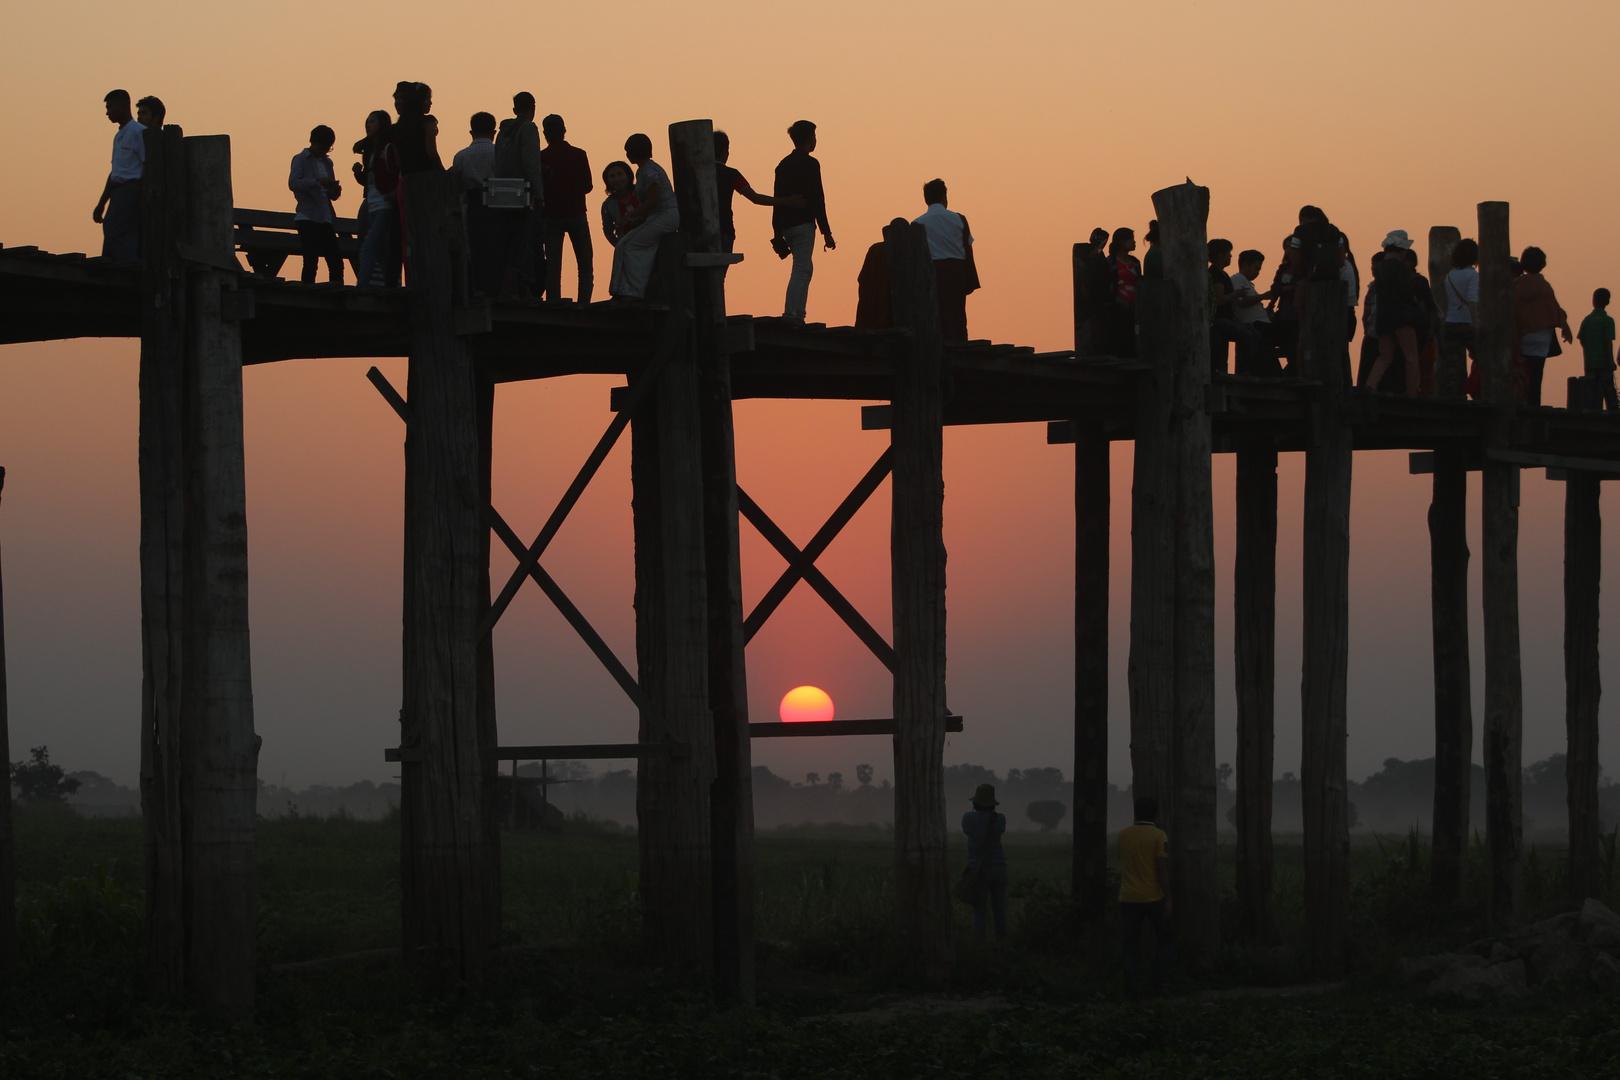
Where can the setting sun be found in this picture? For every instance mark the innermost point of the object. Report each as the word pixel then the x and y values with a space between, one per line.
pixel 804 703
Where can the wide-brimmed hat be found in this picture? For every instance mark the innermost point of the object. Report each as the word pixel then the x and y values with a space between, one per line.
pixel 1397 238
pixel 985 795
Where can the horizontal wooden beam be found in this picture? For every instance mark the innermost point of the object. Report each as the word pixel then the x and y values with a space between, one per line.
pixel 1421 462
pixel 800 729
pixel 558 752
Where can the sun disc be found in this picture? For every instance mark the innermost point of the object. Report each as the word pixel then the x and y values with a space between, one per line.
pixel 805 703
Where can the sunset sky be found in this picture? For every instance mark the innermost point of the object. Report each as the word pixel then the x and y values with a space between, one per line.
pixel 1045 119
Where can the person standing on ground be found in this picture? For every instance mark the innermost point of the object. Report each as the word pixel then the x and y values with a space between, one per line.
pixel 517 157
pixel 984 828
pixel 1536 316
pixel 1144 895
pixel 640 230
pixel 473 164
pixel 1597 346
pixel 314 185
pixel 800 174
pixel 118 211
pixel 569 171
pixel 950 246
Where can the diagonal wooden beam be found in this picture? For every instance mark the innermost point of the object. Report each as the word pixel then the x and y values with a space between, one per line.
pixel 818 544
pixel 575 617
pixel 390 395
pixel 816 580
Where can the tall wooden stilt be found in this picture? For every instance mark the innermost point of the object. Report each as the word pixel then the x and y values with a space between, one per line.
pixel 1254 621
pixel 1091 514
pixel 8 866
pixel 1583 572
pixel 1448 575
pixel 917 566
pixel 732 805
pixel 1183 213
pixel 1326 632
pixel 488 728
pixel 1499 513
pixel 448 925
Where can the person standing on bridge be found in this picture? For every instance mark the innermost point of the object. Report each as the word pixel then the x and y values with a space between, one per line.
pixel 314 185
pixel 950 245
pixel 1537 318
pixel 568 172
pixel 517 156
pixel 800 174
pixel 472 165
pixel 118 211
pixel 729 183
pixel 640 230
pixel 1144 895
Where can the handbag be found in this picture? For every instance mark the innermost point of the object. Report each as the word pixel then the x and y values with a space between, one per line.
pixel 780 245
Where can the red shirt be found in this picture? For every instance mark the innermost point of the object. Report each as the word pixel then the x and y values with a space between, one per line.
pixel 568 179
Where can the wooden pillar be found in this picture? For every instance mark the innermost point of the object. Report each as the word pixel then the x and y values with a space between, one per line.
pixel 1089 887
pixel 488 728
pixel 1499 513
pixel 449 928
pixel 1183 212
pixel 1326 631
pixel 1254 619
pixel 1448 577
pixel 8 865
pixel 917 567
pixel 1583 572
pixel 732 802
pixel 162 553
pixel 673 793
pixel 1151 669
pixel 219 749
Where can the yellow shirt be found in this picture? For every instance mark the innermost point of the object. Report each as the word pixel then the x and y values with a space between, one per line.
pixel 1139 846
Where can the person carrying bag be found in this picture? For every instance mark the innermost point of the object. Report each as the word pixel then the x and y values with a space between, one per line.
pixel 984 883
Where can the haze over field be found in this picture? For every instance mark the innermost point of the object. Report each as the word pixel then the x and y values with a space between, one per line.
pixel 1398 116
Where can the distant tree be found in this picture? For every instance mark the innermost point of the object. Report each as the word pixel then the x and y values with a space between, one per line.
pixel 1046 813
pixel 1223 773
pixel 863 775
pixel 38 780
pixel 811 779
pixel 835 780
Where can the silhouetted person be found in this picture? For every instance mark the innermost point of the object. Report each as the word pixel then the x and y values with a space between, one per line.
pixel 950 246
pixel 1123 274
pixel 472 164
pixel 619 181
pixel 118 211
pixel 1153 261
pixel 415 134
pixel 517 156
pixel 1536 318
pixel 1223 324
pixel 314 185
pixel 377 173
pixel 1399 313
pixel 1144 895
pixel 800 174
pixel 1460 291
pixel 984 828
pixel 1597 349
pixel 653 216
pixel 729 183
pixel 568 179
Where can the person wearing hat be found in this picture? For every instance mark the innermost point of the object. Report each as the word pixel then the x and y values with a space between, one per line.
pixel 985 828
pixel 1399 313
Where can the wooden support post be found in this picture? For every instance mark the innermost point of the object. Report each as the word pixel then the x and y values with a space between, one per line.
pixel 162 485
pixel 445 858
pixel 1583 572
pixel 1183 213
pixel 8 865
pixel 732 804
pixel 488 728
pixel 220 751
pixel 1326 632
pixel 672 613
pixel 917 566
pixel 1254 624
pixel 1499 513
pixel 1089 887
pixel 1151 669
pixel 1448 576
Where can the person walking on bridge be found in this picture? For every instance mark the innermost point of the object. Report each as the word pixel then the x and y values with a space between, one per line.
pixel 1144 895
pixel 950 245
pixel 118 211
pixel 800 174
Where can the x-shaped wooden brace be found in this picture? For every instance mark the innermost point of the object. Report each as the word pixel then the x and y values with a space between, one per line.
pixel 802 563
pixel 529 557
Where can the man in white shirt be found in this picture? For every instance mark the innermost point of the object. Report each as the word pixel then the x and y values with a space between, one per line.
pixel 485 245
pixel 950 245
pixel 118 211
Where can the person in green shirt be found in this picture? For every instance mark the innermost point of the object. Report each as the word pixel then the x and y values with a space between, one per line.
pixel 1597 343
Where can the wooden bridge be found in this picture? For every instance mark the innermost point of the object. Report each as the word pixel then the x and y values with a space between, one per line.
pixel 200 317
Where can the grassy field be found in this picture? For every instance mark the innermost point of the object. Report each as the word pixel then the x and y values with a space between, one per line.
pixel 574 998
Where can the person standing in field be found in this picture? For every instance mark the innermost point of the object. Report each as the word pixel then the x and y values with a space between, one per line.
pixel 950 246
pixel 984 828
pixel 118 211
pixel 800 174
pixel 568 177
pixel 1597 346
pixel 314 185
pixel 1144 895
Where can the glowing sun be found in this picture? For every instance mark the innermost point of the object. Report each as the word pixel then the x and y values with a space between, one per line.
pixel 806 703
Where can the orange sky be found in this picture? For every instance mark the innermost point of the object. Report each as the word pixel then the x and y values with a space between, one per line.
pixel 1046 119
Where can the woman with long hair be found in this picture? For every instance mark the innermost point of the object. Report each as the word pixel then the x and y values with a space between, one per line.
pixel 1536 315
pixel 1124 273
